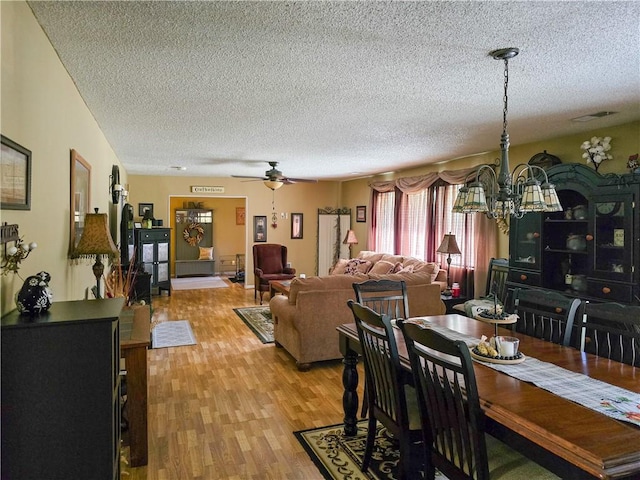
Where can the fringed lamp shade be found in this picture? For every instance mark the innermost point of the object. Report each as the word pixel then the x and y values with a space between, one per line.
pixel 96 240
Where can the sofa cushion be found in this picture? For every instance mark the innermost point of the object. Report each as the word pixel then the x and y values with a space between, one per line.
pixel 382 267
pixel 329 282
pixel 409 278
pixel 340 267
pixel 373 257
pixel 402 269
pixel 356 265
pixel 392 258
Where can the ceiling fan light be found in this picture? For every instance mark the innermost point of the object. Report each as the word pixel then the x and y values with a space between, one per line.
pixel 273 184
pixel 461 198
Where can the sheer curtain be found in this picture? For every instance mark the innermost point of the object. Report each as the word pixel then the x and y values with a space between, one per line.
pixel 412 215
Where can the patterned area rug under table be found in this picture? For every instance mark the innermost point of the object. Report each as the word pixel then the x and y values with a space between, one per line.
pixel 339 457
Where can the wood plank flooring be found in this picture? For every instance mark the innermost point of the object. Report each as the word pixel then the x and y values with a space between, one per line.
pixel 226 407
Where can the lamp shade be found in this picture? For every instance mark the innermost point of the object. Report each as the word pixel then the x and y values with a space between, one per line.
pixel 350 238
pixel 95 239
pixel 449 245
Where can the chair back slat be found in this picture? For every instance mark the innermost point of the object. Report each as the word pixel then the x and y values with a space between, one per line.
pixel 497 280
pixel 611 330
pixel 387 297
pixel 453 422
pixel 545 314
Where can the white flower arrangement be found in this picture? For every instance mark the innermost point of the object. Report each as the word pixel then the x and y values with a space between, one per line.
pixel 596 150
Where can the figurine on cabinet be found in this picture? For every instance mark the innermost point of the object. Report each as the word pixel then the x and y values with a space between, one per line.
pixel 35 296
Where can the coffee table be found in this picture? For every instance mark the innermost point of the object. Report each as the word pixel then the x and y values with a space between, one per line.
pixel 279 286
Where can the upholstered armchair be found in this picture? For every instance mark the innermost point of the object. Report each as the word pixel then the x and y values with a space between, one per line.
pixel 269 263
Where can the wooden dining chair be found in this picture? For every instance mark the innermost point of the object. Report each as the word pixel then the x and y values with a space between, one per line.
pixel 391 401
pixel 452 421
pixel 387 297
pixel 546 314
pixel 611 330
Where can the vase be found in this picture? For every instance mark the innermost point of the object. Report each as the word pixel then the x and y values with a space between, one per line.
pixel 576 243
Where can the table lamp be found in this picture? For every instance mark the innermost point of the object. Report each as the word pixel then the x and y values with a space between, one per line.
pixel 450 247
pixel 96 240
pixel 350 239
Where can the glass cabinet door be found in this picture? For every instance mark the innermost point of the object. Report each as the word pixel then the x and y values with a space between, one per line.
pixel 611 247
pixel 525 242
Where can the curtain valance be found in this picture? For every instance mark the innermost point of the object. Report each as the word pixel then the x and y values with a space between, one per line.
pixel 422 182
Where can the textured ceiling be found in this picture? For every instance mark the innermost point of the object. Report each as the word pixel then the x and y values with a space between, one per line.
pixel 332 88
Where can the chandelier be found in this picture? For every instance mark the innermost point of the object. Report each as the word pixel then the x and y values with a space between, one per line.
pixel 507 194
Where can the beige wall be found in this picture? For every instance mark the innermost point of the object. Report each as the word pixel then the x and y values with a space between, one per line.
pixel 42 111
pixel 303 198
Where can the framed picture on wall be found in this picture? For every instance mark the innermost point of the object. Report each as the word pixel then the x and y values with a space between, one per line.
pixel 15 176
pixel 144 207
pixel 240 215
pixel 296 225
pixel 361 213
pixel 80 195
pixel 259 228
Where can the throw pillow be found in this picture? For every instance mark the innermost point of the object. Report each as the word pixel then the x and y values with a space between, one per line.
pixel 382 267
pixel 407 269
pixel 339 267
pixel 356 266
pixel 206 253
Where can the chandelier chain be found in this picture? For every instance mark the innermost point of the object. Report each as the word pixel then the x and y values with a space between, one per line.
pixel 505 98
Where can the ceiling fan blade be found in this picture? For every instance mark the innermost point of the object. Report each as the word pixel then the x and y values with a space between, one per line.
pixel 247 176
pixel 298 180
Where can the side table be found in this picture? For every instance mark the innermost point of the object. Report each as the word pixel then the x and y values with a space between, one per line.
pixel 450 302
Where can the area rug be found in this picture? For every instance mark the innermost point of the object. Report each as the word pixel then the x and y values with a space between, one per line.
pixel 259 320
pixel 339 458
pixel 196 283
pixel 175 333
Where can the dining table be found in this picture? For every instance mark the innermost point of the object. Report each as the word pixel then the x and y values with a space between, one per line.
pixel 570 439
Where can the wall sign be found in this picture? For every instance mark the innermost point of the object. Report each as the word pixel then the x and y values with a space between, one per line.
pixel 203 189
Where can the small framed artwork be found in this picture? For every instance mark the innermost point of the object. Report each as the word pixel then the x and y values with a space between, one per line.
pixel 240 215
pixel 361 213
pixel 296 225
pixel 80 195
pixel 15 176
pixel 259 228
pixel 137 225
pixel 144 207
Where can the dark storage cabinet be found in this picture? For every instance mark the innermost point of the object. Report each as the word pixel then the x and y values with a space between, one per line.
pixel 591 249
pixel 61 392
pixel 153 246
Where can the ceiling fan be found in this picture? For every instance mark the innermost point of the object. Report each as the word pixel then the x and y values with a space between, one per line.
pixel 274 178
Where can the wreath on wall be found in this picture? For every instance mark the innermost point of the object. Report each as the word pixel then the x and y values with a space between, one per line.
pixel 193 234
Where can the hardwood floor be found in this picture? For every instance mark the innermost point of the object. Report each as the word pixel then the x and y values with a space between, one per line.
pixel 227 407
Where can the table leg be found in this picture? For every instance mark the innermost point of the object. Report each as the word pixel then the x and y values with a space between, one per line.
pixel 350 395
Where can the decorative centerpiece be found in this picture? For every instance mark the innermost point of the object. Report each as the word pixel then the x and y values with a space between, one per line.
pixel 596 150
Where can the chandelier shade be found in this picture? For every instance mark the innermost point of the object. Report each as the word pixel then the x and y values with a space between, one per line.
pixel 507 194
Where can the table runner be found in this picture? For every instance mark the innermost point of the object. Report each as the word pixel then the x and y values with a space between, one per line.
pixel 610 400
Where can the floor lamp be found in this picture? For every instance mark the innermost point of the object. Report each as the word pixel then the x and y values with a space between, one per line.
pixel 96 240
pixel 450 247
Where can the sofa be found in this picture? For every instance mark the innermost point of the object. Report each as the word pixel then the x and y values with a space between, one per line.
pixel 305 322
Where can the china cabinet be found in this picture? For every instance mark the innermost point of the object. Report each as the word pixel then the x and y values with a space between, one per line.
pixel 152 246
pixel 589 250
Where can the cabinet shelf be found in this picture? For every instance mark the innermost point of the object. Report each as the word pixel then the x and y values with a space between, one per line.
pixel 564 220
pixel 564 250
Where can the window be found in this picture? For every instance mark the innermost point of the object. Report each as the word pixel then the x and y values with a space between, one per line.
pixel 384 231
